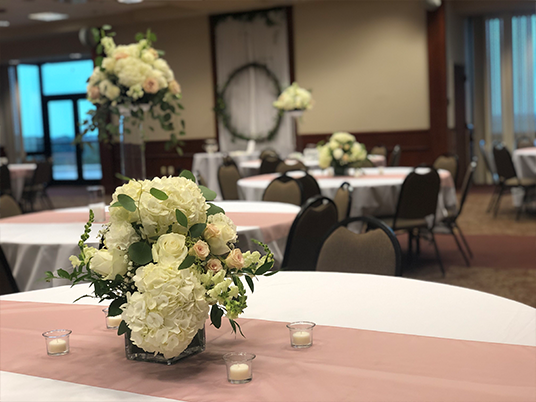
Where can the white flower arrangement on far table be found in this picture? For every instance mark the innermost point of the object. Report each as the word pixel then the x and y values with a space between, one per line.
pixel 132 79
pixel 168 257
pixel 341 151
pixel 294 98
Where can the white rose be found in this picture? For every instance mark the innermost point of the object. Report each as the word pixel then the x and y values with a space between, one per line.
pixel 109 90
pixel 220 230
pixel 338 153
pixel 108 63
pixel 120 235
pixel 109 264
pixel 170 250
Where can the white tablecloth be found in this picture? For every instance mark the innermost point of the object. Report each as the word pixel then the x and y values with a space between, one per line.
pixel 19 172
pixel 525 162
pixel 34 248
pixel 252 167
pixel 207 164
pixel 370 302
pixel 374 194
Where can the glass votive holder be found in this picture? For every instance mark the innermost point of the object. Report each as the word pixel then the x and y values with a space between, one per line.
pixel 239 367
pixel 57 341
pixel 96 202
pixel 112 322
pixel 301 334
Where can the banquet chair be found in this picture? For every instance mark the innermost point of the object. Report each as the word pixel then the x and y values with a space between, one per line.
pixel 448 162
pixel 268 151
pixel 228 176
pixel 524 142
pixel 508 177
pixel 200 179
pixel 8 206
pixel 5 180
pixel 312 223
pixel 37 187
pixel 310 187
pixel 394 158
pixel 375 251
pixel 416 209
pixel 343 200
pixel 284 166
pixel 378 150
pixel 448 224
pixel 269 164
pixel 7 282
pixel 284 189
pixel 365 163
pixel 494 177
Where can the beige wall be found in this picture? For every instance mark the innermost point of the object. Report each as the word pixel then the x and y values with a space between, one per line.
pixel 455 55
pixel 366 63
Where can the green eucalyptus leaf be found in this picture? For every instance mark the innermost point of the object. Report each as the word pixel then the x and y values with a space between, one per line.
pixel 116 204
pixel 187 263
pixel 208 193
pixel 63 274
pixel 216 313
pixel 127 202
pixel 122 328
pixel 115 307
pixel 264 268
pixel 159 194
pixel 140 253
pixel 187 174
pixel 214 209
pixel 181 218
pixel 197 230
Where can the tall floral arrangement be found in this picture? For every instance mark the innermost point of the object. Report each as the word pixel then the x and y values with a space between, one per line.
pixel 294 98
pixel 133 78
pixel 168 257
pixel 341 151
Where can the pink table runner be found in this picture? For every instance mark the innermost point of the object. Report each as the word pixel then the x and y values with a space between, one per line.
pixel 51 217
pixel 343 365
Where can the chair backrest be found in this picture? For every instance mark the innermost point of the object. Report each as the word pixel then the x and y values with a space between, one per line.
pixel 376 251
pixel 378 150
pixel 227 160
pixel 289 166
pixel 228 176
pixel 284 189
pixel 310 187
pixel 200 179
pixel 418 196
pixel 450 163
pixel 308 230
pixel 43 173
pixel 524 142
pixel 268 151
pixel 343 200
pixel 485 156
pixel 364 163
pixel 5 180
pixel 8 206
pixel 394 159
pixel 503 163
pixel 467 183
pixel 7 282
pixel 269 163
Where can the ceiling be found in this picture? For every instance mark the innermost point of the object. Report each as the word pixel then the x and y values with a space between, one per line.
pixel 84 13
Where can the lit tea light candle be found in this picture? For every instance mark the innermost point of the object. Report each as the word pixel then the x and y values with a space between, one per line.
pixel 113 321
pixel 57 346
pixel 239 372
pixel 380 170
pixel 301 338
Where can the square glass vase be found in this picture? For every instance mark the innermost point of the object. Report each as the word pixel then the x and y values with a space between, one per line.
pixel 134 352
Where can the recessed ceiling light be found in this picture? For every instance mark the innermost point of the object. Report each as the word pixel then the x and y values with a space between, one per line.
pixel 75 55
pixel 48 16
pixel 129 1
pixel 4 24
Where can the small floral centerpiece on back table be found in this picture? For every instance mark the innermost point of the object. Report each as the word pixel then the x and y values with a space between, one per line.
pixel 341 151
pixel 294 99
pixel 167 258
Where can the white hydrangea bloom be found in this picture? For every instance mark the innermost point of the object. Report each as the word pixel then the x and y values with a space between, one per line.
pixel 131 71
pixel 120 236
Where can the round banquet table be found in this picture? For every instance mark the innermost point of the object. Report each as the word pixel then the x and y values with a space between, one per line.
pixel 525 162
pixel 19 172
pixel 375 191
pixel 207 164
pixel 44 241
pixel 400 339
pixel 252 167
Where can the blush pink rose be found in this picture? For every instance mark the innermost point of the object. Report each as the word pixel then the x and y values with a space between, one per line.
pixel 235 259
pixel 214 265
pixel 120 55
pixel 200 250
pixel 94 92
pixel 174 87
pixel 150 86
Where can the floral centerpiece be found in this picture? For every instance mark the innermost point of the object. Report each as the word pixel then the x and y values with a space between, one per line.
pixel 131 80
pixel 167 257
pixel 294 98
pixel 341 151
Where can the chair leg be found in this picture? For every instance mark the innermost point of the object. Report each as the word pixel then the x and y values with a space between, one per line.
pixel 418 244
pixel 492 200
pixel 464 241
pixel 459 246
pixel 410 247
pixel 498 201
pixel 525 199
pixel 438 255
